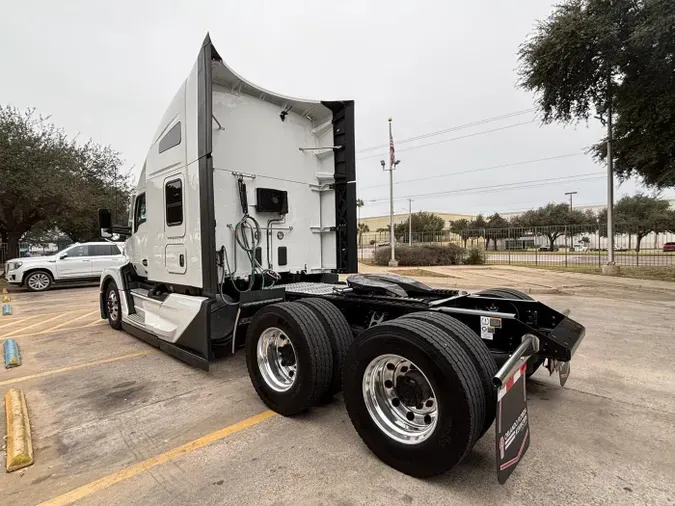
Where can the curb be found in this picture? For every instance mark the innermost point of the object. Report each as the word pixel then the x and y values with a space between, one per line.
pixel 19 441
pixel 12 355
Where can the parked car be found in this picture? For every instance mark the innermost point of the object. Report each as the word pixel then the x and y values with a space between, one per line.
pixel 77 262
pixel 669 247
pixel 547 248
pixel 580 247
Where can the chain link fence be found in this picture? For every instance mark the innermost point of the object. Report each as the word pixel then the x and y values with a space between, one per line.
pixel 556 245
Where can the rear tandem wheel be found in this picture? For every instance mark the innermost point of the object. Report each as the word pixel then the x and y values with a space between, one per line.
pixel 414 396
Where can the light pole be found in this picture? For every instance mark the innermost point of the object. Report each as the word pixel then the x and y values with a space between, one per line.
pixel 570 194
pixel 392 237
pixel 409 222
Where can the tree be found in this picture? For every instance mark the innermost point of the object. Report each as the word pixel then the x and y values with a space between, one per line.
pixel 478 226
pixel 640 215
pixel 363 229
pixel 37 170
pixel 497 228
pixel 604 58
pixel 50 182
pixel 555 220
pixel 359 205
pixel 462 229
pixel 101 185
pixel 421 222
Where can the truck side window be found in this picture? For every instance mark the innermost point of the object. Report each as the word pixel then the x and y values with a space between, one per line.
pixel 170 139
pixel 139 211
pixel 174 202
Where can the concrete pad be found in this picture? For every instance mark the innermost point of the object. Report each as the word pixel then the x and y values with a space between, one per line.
pixel 606 438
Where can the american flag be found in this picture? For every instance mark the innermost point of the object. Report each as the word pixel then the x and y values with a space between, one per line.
pixel 392 155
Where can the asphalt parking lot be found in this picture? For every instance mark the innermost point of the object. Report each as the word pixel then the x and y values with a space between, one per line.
pixel 116 422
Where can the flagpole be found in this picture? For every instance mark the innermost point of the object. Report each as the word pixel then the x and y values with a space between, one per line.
pixel 392 164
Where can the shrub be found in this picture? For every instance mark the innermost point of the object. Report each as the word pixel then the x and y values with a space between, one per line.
pixel 474 257
pixel 372 241
pixel 423 255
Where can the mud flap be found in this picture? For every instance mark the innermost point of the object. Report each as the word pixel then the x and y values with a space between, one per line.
pixel 512 428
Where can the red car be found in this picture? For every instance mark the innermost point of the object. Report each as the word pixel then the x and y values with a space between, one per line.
pixel 669 246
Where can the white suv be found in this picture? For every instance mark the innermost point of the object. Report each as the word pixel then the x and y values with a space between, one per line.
pixel 77 262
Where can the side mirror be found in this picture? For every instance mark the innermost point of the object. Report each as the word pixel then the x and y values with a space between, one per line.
pixel 61 257
pixel 105 223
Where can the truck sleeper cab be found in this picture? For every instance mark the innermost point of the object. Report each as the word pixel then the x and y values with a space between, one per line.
pixel 243 218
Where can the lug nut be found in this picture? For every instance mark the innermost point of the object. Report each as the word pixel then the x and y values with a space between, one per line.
pixel 388 384
pixel 395 402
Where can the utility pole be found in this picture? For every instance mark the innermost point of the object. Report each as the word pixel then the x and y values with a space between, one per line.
pixel 610 268
pixel 570 194
pixel 409 222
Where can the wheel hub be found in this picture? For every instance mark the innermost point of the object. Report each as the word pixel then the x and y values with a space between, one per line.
pixel 400 399
pixel 276 359
pixel 412 388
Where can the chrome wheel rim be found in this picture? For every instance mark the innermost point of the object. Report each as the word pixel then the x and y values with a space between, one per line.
pixel 400 399
pixel 113 305
pixel 276 359
pixel 38 281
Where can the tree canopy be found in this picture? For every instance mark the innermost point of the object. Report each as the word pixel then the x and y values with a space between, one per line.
pixel 555 220
pixel 590 54
pixel 421 222
pixel 640 215
pixel 49 182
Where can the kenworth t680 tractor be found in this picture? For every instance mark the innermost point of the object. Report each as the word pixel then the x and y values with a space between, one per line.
pixel 242 222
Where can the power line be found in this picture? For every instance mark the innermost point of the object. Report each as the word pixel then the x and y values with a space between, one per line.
pixel 470 171
pixel 451 139
pixel 504 186
pixel 451 129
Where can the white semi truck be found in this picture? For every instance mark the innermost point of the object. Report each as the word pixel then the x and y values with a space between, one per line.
pixel 242 220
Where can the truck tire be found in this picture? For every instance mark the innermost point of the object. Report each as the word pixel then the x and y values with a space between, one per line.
pixel 113 307
pixel 39 281
pixel 289 357
pixel 340 335
pixel 505 293
pixel 414 396
pixel 474 346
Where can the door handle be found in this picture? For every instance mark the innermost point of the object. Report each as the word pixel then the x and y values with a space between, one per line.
pixel 84 260
pixel 145 262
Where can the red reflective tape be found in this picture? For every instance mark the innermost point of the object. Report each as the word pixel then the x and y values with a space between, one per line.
pixel 523 368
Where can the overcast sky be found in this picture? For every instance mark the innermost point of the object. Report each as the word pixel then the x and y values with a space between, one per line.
pixel 109 69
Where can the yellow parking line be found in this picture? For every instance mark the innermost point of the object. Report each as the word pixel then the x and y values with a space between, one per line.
pixel 39 323
pixel 19 320
pixel 73 320
pixel 88 325
pixel 146 465
pixel 99 320
pixel 76 367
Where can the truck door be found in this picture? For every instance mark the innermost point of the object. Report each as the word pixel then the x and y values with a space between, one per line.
pixel 138 242
pixel 175 254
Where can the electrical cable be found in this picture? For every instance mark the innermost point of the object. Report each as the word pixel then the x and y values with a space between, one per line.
pixel 451 139
pixel 247 236
pixel 471 171
pixel 452 129
pixel 503 186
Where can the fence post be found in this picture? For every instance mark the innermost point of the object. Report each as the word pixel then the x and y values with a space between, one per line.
pixel 508 243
